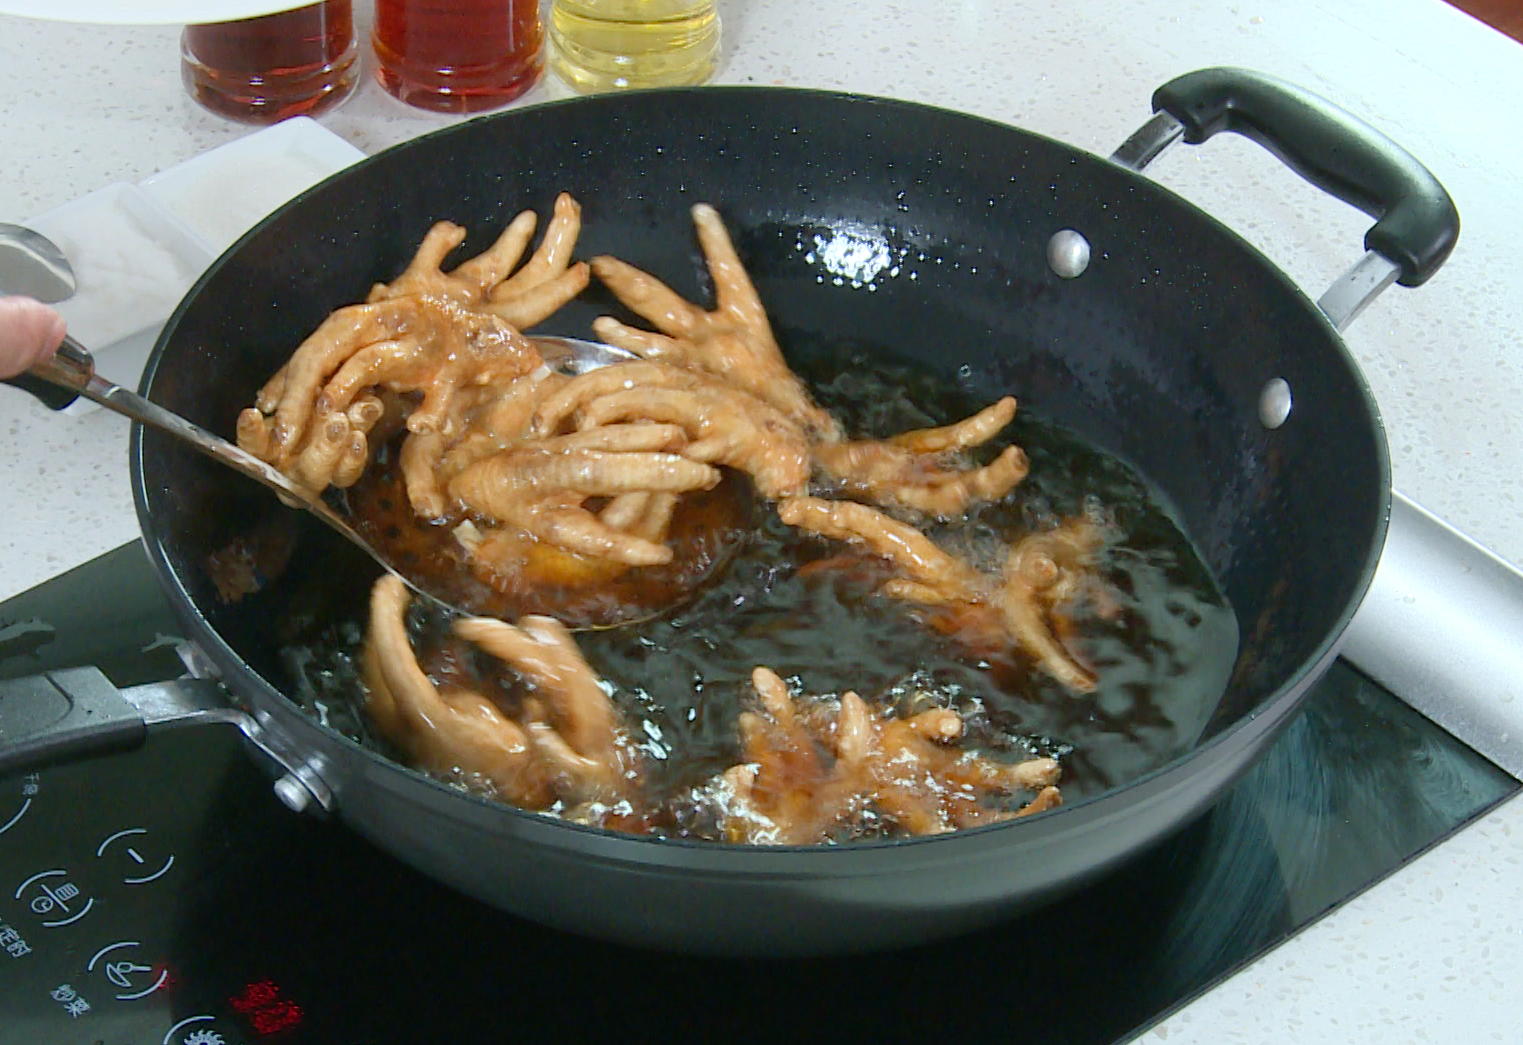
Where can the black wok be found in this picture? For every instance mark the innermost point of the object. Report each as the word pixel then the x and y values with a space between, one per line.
pixel 1160 352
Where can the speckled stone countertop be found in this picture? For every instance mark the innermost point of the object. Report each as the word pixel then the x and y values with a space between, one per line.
pixel 1434 953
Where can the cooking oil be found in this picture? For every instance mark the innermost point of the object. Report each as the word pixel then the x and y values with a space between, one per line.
pixel 610 45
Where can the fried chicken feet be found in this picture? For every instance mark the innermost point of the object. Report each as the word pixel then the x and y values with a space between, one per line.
pixel 1041 572
pixel 915 470
pixel 734 342
pixel 812 767
pixel 566 745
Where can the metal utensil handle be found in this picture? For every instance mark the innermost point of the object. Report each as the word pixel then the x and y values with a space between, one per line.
pixel 73 368
pixel 1417 224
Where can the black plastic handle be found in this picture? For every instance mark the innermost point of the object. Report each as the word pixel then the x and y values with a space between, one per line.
pixel 58 381
pixel 52 396
pixel 64 715
pixel 1417 224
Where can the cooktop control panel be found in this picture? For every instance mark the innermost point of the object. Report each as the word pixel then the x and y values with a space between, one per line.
pixel 114 913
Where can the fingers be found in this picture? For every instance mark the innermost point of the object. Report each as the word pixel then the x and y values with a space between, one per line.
pixel 622 438
pixel 774 695
pixel 642 343
pixel 577 530
pixel 543 649
pixel 424 273
pixel 419 462
pixel 356 454
pixel 579 391
pixel 1026 623
pixel 316 464
pixel 253 434
pixel 325 350
pixel 367 368
pixel 30 332
pixel 268 397
pixel 900 543
pixel 625 510
pixel 654 523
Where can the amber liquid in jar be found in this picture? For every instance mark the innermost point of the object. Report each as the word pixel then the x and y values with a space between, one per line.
pixel 264 70
pixel 457 55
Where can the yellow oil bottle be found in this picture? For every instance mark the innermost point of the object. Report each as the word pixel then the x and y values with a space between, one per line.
pixel 611 45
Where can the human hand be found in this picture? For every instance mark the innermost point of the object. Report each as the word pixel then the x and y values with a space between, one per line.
pixel 29 333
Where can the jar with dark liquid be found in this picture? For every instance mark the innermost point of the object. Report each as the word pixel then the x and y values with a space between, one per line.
pixel 457 55
pixel 267 69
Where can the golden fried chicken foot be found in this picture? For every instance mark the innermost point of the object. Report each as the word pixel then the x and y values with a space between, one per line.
pixel 900 543
pixel 1041 571
pixel 542 493
pixel 734 341
pixel 581 718
pixel 402 345
pixel 726 427
pixel 912 470
pixel 446 731
pixel 546 282
pixel 567 746
pixel 905 769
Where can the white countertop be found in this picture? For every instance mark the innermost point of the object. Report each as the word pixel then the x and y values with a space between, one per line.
pixel 1434 953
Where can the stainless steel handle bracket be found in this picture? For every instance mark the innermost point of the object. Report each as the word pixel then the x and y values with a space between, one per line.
pixel 199 701
pixel 300 786
pixel 1352 292
pixel 1149 142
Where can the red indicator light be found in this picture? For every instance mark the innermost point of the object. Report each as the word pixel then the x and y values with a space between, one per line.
pixel 266 1011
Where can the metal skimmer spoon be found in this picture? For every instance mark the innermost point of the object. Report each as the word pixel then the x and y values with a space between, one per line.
pixel 32 264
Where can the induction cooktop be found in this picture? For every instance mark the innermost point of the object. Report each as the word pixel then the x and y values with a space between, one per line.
pixel 166 897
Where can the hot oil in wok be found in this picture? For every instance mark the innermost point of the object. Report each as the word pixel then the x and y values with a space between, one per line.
pixel 1162 642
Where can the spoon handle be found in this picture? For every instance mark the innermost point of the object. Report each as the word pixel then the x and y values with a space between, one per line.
pixel 71 373
pixel 58 381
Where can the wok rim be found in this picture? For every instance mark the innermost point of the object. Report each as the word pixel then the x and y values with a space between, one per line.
pixel 1290 692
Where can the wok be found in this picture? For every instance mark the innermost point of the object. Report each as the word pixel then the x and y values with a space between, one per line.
pixel 1178 348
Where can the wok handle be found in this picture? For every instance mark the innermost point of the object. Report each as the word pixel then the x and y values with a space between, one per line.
pixel 76 713
pixel 1417 223
pixel 64 715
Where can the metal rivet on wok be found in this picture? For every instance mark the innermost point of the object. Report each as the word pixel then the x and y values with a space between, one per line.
pixel 1274 403
pixel 1068 253
pixel 294 794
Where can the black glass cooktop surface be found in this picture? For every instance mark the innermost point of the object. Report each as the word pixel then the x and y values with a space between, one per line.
pixel 165 897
